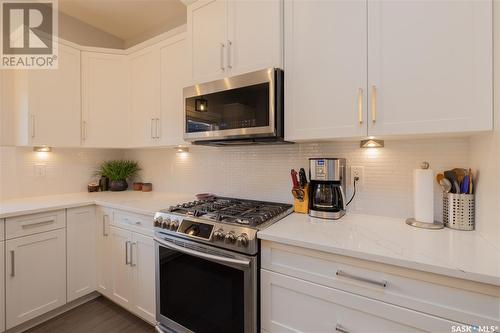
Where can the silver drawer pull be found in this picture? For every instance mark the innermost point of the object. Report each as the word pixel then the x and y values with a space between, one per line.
pixel 132 254
pixel 340 329
pixel 12 264
pixel 362 279
pixel 104 233
pixel 36 223
pixel 127 261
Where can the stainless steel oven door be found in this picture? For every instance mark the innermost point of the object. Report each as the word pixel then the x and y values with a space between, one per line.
pixel 201 288
pixel 241 107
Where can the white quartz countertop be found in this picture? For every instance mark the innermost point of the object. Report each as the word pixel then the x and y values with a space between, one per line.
pixel 138 202
pixel 461 254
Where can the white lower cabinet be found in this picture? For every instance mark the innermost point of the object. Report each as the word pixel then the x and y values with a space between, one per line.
pixel 81 251
pixel 133 272
pixel 35 275
pixel 121 270
pixel 292 305
pixel 2 284
pixel 103 250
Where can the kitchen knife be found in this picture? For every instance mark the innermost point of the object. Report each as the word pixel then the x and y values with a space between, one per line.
pixel 302 178
pixel 295 181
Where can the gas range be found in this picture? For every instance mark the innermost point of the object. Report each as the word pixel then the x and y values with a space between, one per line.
pixel 223 222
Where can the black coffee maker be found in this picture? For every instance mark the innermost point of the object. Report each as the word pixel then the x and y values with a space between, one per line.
pixel 327 187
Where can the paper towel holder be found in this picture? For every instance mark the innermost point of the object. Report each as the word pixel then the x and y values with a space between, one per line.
pixel 425 225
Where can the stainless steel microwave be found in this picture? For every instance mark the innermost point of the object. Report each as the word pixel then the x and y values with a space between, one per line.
pixel 238 110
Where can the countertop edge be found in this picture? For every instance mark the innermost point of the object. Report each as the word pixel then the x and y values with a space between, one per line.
pixel 456 273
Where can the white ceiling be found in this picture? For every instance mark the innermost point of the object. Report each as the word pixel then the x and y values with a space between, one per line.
pixel 126 19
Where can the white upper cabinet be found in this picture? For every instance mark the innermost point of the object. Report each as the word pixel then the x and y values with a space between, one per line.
pixel 430 63
pixel 174 76
pixel 105 97
pixel 47 103
pixel 358 68
pixel 145 96
pixel 325 69
pixel 207 23
pixel 228 38
pixel 255 35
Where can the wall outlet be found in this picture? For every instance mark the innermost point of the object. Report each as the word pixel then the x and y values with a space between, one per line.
pixel 357 171
pixel 40 170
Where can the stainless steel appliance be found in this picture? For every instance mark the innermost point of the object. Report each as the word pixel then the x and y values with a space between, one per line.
pixel 243 109
pixel 327 187
pixel 207 264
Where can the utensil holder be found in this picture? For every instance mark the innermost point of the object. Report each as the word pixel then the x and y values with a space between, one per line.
pixel 459 211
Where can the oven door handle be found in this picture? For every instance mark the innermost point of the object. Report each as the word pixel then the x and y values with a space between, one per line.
pixel 245 263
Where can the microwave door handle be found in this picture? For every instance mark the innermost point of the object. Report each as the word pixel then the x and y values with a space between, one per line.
pixel 202 255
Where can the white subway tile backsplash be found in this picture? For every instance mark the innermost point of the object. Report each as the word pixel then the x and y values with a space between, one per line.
pixel 263 172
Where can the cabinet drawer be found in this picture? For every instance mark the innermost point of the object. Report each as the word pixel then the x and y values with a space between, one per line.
pixel 352 275
pixel 134 222
pixel 35 223
pixel 293 305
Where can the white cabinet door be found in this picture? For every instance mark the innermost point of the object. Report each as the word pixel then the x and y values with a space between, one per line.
pixel 49 103
pixel 430 65
pixel 207 21
pixel 105 98
pixel 104 255
pixel 293 305
pixel 36 275
pixel 2 287
pixel 255 35
pixel 325 69
pixel 122 275
pixel 145 96
pixel 143 262
pixel 81 251
pixel 174 77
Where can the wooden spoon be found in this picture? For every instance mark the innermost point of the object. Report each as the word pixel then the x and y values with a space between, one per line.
pixel 439 177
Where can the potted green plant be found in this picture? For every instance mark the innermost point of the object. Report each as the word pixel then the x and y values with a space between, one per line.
pixel 118 171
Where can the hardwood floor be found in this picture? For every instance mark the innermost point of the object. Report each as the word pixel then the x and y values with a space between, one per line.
pixel 97 316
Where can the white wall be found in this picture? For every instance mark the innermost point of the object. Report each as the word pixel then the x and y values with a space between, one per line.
pixel 263 172
pixel 66 170
pixel 485 157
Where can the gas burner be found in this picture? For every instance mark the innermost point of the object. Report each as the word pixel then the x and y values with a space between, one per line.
pixel 232 211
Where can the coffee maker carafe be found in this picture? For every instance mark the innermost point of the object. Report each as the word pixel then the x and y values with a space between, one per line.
pixel 327 187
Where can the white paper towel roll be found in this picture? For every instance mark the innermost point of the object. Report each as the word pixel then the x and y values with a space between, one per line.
pixel 423 195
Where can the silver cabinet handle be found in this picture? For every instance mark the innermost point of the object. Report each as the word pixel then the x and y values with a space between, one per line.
pixel 132 254
pixel 340 329
pixel 104 225
pixel 212 257
pixel 151 128
pixel 32 125
pixel 84 130
pixel 229 58
pixel 158 134
pixel 360 105
pixel 12 263
pixel 127 261
pixel 362 279
pixel 374 104
pixel 37 223
pixel 222 46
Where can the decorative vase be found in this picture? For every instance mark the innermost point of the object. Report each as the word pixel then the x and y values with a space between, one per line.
pixel 118 185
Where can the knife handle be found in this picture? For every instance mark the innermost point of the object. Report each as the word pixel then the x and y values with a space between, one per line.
pixel 295 181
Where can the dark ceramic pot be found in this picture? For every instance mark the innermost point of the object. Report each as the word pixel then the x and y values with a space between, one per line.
pixel 118 185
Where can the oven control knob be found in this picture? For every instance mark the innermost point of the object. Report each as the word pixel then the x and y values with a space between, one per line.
pixel 174 225
pixel 242 240
pixel 219 234
pixel 230 237
pixel 166 223
pixel 158 221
